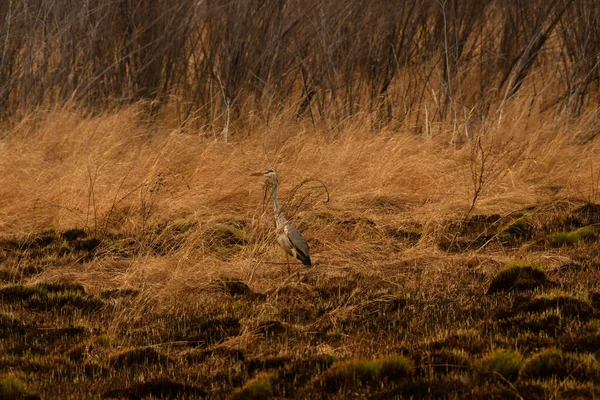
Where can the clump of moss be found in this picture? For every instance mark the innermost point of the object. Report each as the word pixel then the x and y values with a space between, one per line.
pixel 226 239
pixel 88 244
pixel 80 351
pixel 183 226
pixel 411 234
pixel 553 363
pixel 61 287
pixel 139 355
pixel 229 235
pixel 119 293
pixel 316 218
pixel 550 322
pixel 587 234
pixel 358 372
pixel 273 328
pixel 211 331
pixel 594 298
pixel 65 248
pixel 503 364
pixel 47 296
pixel 567 305
pixel 168 236
pixel 560 239
pixel 469 340
pixel 546 364
pixel 8 274
pixel 446 361
pixel 515 231
pixel 161 388
pixel 593 325
pixel 8 320
pixel 394 367
pixel 517 276
pixel 256 388
pixel 20 292
pixel 233 287
pixel 349 373
pixel 578 390
pixel 73 234
pixel 73 299
pixel 12 388
pixel 45 238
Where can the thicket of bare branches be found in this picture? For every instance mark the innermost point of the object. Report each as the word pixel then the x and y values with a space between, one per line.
pixel 409 62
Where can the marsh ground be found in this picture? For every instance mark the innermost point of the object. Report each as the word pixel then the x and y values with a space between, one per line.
pixel 139 263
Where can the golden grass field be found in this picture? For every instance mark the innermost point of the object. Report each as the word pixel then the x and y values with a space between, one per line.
pixel 139 260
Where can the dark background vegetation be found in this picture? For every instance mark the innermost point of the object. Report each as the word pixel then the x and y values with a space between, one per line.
pixel 398 62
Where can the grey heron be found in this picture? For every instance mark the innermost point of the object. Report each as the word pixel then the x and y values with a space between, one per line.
pixel 288 237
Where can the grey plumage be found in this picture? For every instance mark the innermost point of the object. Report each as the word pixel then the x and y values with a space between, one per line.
pixel 299 247
pixel 289 238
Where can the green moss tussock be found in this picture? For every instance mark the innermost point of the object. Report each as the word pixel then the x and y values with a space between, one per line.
pixel 257 388
pixel 517 276
pixel 469 341
pixel 446 361
pixel 227 239
pixel 568 306
pixel 162 388
pixel 359 372
pixel 229 235
pixel 49 296
pixel 139 355
pixel 516 231
pixel 554 363
pixel 499 364
pixel 12 388
pixel 582 235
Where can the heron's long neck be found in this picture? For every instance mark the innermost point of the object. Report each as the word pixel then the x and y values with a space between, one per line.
pixel 279 217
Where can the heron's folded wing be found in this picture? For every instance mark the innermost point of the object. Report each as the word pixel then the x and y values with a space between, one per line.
pixel 299 243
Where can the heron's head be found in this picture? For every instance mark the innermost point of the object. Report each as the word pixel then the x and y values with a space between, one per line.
pixel 268 173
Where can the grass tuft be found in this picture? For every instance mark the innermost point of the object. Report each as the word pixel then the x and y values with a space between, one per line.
pixel 517 276
pixel 546 364
pixel 20 292
pixel 80 351
pixel 503 364
pixel 586 234
pixel 394 367
pixel 553 363
pixel 47 296
pixel 229 236
pixel 233 287
pixel 256 388
pixel 358 372
pixel 447 361
pixel 227 239
pixel 12 389
pixel 162 388
pixel 8 320
pixel 88 244
pixel 593 325
pixel 468 340
pixel 516 231
pixel 73 234
pixel 556 300
pixel 140 355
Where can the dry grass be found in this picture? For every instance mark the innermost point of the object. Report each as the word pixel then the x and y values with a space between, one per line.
pixel 164 250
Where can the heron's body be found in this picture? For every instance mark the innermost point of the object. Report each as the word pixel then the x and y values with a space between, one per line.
pixel 289 238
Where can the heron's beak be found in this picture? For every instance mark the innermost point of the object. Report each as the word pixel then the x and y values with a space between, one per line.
pixel 257 174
